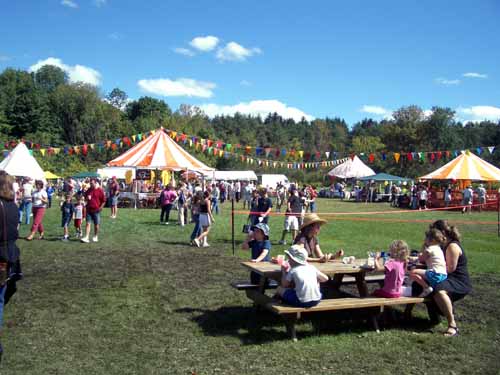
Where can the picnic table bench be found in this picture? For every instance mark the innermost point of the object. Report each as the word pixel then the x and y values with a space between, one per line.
pixel 340 274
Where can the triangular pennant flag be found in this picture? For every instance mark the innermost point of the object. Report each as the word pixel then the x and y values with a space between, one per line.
pixel 42 151
pixel 479 150
pixel 396 156
pixel 327 153
pixel 301 154
pixel 491 149
pixel 133 138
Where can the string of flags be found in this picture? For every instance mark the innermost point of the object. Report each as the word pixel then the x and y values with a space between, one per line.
pixel 260 156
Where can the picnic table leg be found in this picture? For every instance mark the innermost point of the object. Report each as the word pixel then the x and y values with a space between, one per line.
pixel 290 321
pixel 408 311
pixel 361 284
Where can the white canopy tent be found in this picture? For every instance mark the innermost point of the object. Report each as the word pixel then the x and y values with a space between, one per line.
pixel 352 168
pixel 22 164
pixel 119 172
pixel 231 175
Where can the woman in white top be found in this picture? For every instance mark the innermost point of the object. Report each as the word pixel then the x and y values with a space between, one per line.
pixel 40 200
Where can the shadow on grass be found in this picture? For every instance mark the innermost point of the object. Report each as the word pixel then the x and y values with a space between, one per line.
pixel 255 326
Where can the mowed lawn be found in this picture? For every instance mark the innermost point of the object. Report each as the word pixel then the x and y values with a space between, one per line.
pixel 142 301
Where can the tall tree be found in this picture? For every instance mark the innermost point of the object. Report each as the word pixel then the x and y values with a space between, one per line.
pixel 48 77
pixel 117 98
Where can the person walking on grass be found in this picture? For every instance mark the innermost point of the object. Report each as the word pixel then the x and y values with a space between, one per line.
pixel 467 197
pixel 114 192
pixel 167 199
pixel 96 200
pixel 39 200
pixel 481 194
pixel 292 214
pixel 206 219
pixel 67 211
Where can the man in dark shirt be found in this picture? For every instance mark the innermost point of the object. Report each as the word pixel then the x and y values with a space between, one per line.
pixel 293 212
pixel 95 199
pixel 264 206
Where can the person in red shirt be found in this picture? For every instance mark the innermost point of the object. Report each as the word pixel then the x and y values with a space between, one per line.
pixel 95 199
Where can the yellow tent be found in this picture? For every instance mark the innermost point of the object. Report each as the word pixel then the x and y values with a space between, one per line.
pixel 50 176
pixel 467 167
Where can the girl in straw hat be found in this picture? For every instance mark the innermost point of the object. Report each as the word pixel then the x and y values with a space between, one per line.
pixel 308 237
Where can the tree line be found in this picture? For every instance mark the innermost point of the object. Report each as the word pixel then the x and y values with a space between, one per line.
pixel 45 107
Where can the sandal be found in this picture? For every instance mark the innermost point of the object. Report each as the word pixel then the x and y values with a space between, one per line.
pixel 454 331
pixel 29 238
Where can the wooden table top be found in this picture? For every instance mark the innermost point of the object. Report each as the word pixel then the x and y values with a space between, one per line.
pixel 329 268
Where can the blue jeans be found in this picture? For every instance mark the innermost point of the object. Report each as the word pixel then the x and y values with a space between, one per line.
pixel 312 206
pixel 25 209
pixel 215 206
pixel 197 228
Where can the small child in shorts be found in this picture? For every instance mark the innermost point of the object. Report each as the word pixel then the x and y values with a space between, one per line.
pixel 394 270
pixel 258 241
pixel 67 210
pixel 433 257
pixel 79 214
pixel 304 278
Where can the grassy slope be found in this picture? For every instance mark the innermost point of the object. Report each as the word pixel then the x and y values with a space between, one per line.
pixel 142 302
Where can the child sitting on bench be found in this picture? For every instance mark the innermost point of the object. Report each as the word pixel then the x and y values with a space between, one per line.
pixel 300 280
pixel 258 241
pixel 394 270
pixel 433 257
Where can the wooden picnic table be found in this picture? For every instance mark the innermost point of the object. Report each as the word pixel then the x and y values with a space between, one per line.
pixel 336 270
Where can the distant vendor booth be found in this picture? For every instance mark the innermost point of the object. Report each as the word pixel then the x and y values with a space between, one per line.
pixel 461 172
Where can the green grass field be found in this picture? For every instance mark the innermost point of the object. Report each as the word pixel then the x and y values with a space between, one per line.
pixel 141 301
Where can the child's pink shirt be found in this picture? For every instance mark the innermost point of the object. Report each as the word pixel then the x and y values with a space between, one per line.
pixel 394 277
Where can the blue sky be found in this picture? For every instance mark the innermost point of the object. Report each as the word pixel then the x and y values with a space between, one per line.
pixel 349 59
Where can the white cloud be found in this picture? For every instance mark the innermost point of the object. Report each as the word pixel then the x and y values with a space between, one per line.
pixel 76 73
pixel 100 3
pixel 184 51
pixel 204 43
pixel 376 110
pixel 246 83
pixel 479 113
pixel 69 4
pixel 474 75
pixel 428 113
pixel 256 108
pixel 115 36
pixel 236 52
pixel 447 82
pixel 4 58
pixel 180 87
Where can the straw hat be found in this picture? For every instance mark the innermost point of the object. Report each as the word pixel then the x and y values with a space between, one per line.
pixel 297 253
pixel 310 219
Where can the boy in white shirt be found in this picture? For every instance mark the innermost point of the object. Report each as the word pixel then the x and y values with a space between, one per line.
pixel 304 276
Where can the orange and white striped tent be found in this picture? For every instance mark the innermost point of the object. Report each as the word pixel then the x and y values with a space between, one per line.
pixel 159 151
pixel 466 166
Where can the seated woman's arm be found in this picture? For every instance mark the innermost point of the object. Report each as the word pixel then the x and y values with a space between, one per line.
pixel 452 254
